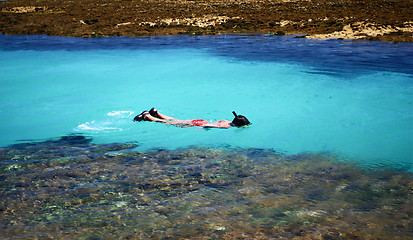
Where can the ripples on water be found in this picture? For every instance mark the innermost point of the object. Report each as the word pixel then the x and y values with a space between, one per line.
pixel 71 188
pixel 347 97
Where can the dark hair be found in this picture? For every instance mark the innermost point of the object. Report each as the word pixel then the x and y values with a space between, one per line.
pixel 240 120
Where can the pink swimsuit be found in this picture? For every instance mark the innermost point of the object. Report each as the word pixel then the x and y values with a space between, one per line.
pixel 198 122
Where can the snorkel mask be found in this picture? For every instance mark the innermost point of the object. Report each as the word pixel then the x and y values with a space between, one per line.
pixel 240 120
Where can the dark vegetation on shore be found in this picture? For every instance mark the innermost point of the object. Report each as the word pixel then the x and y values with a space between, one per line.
pixel 385 20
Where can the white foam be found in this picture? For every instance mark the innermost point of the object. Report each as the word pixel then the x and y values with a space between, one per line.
pixel 106 124
pixel 93 126
pixel 122 114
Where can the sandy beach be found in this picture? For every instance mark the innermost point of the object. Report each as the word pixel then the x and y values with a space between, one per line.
pixel 383 20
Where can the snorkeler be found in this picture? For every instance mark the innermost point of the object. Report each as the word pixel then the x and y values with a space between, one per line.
pixel 154 116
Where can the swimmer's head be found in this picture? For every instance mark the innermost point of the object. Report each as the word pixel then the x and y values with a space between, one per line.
pixel 240 120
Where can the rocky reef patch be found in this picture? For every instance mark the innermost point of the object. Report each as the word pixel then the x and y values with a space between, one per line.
pixel 70 187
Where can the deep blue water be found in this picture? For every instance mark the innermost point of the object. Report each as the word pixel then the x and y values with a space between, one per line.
pixel 329 56
pixel 353 98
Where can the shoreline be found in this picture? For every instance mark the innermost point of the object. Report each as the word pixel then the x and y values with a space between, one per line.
pixel 381 20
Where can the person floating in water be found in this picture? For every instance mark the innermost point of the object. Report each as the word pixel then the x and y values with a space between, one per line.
pixel 154 116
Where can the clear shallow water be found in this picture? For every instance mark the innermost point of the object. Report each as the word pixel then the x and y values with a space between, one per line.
pixel 69 188
pixel 350 98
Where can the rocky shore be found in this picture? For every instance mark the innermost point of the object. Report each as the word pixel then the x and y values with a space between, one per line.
pixel 384 20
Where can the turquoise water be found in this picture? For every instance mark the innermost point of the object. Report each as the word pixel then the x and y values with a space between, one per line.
pixel 349 98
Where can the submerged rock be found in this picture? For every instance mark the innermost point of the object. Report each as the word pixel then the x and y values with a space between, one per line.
pixel 73 139
pixel 94 190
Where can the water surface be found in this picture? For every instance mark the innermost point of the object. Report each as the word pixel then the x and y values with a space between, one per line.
pixel 347 97
pixel 328 155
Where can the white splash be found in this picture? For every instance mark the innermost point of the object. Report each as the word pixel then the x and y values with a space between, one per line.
pixel 122 114
pixel 113 122
pixel 94 126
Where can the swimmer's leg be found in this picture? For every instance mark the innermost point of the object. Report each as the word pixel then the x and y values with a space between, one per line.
pixel 154 112
pixel 178 123
pixel 150 118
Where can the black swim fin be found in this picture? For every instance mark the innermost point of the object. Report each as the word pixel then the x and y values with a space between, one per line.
pixel 140 117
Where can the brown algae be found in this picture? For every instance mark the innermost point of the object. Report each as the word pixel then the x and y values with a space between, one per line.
pixel 71 188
